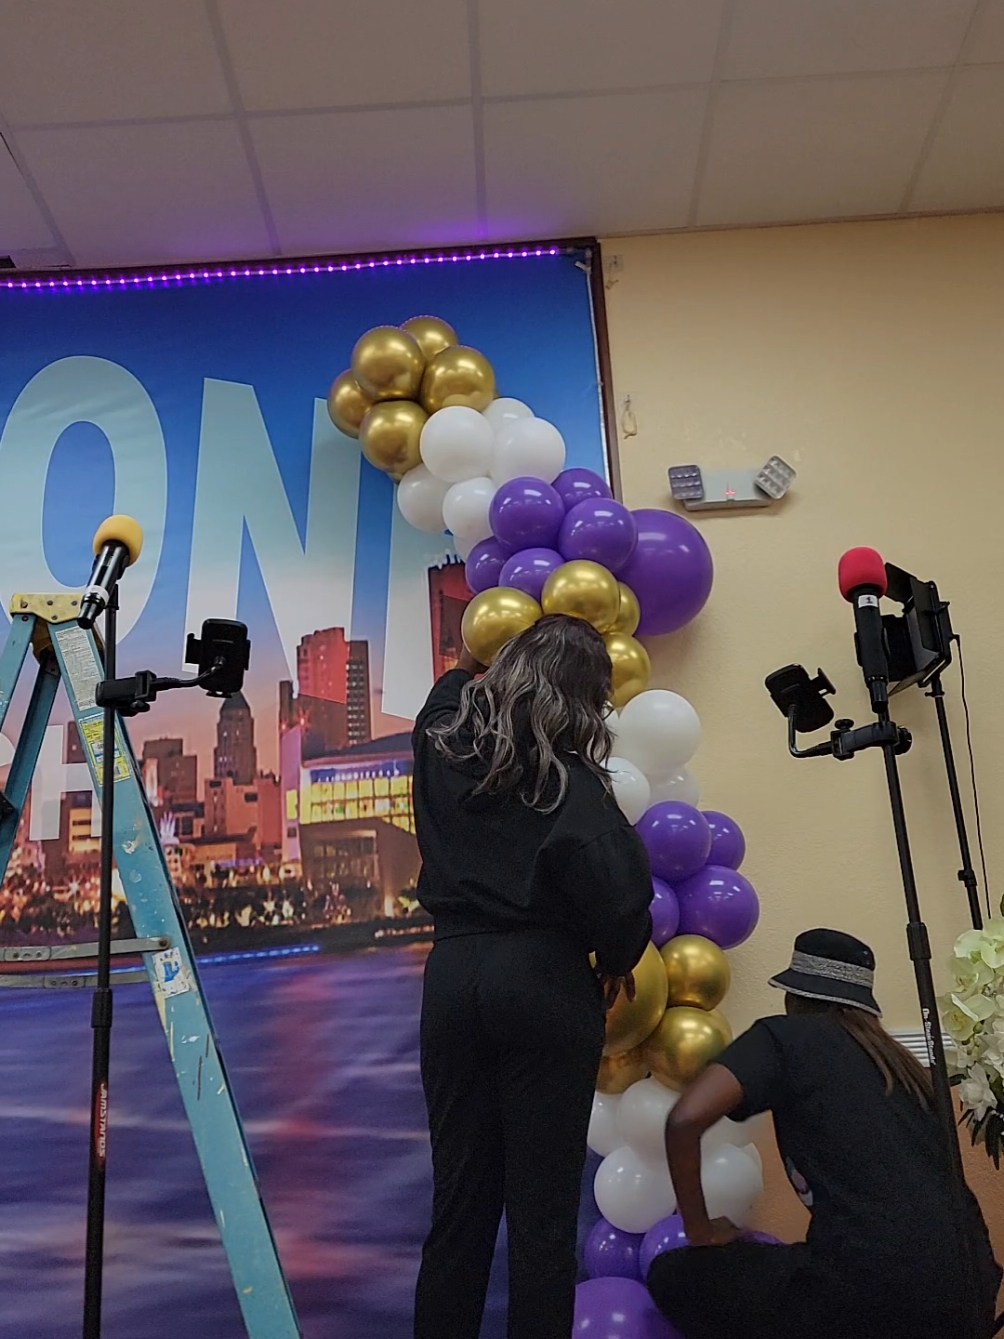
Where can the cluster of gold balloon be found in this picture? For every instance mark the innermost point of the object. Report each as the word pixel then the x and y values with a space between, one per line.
pixel 399 376
pixel 582 589
pixel 673 1028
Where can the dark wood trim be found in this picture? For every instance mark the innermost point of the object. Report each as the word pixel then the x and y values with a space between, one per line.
pixel 598 298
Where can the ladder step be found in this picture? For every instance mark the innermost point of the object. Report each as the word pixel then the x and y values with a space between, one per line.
pixel 64 981
pixel 62 952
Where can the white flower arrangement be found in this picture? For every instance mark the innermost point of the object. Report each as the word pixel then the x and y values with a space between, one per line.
pixel 973 1016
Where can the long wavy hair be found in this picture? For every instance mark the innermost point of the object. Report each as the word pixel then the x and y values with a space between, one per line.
pixel 544 698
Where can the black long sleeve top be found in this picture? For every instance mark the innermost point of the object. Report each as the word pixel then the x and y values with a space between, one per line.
pixel 492 863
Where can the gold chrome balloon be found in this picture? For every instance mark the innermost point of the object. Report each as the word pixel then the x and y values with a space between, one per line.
pixel 631 667
pixel 618 1072
pixel 698 971
pixel 458 375
pixel 388 364
pixel 629 1022
pixel 723 1023
pixel 684 1044
pixel 495 616
pixel 390 434
pixel 583 589
pixel 432 334
pixel 628 613
pixel 348 404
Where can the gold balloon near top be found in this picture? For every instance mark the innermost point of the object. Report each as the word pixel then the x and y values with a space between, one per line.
pixel 618 1072
pixel 458 376
pixel 628 611
pixel 495 616
pixel 629 1022
pixel 390 435
pixel 631 667
pixel 698 971
pixel 684 1044
pixel 583 589
pixel 432 334
pixel 348 404
pixel 388 363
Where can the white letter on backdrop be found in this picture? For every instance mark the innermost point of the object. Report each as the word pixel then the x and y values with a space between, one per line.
pixel 52 779
pixel 80 390
pixel 309 585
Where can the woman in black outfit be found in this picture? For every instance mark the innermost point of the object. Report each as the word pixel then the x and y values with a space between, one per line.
pixel 528 867
pixel 889 1255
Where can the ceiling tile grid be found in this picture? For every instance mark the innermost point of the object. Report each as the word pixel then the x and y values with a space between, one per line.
pixel 134 131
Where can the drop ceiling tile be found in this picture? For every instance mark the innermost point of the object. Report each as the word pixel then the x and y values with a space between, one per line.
pixel 312 53
pixel 64 60
pixel 368 180
pixel 566 46
pixel 801 37
pixel 815 149
pixel 965 167
pixel 986 41
pixel 601 165
pixel 22 226
pixel 126 195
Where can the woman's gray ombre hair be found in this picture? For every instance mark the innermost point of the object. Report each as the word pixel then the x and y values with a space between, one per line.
pixel 545 696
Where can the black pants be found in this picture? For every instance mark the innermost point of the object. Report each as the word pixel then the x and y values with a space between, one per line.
pixel 512 1031
pixel 784 1292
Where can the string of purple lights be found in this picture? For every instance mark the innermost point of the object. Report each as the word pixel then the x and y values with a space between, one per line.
pixel 185 274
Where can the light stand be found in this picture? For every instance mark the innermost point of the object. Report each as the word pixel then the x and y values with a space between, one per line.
pixel 967 875
pixel 222 654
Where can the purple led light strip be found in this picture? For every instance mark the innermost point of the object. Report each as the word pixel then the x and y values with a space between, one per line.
pixel 163 276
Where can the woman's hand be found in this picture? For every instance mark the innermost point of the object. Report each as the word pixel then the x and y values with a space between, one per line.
pixel 469 663
pixel 719 1232
pixel 613 985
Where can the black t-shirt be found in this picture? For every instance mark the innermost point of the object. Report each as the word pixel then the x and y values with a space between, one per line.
pixel 491 863
pixel 870 1165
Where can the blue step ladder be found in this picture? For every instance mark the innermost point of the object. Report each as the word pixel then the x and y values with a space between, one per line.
pixel 47 625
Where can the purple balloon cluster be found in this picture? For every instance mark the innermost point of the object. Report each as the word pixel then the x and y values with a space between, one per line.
pixel 537 526
pixel 611 1253
pixel 697 888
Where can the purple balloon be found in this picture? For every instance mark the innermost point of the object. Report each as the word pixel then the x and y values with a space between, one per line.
pixel 667 1235
pixel 677 838
pixel 526 514
pixel 728 845
pixel 718 903
pixel 665 913
pixel 670 571
pixel 601 530
pixel 576 484
pixel 611 1253
pixel 529 569
pixel 618 1309
pixel 484 565
pixel 762 1239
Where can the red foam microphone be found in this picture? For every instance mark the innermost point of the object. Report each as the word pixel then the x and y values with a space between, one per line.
pixel 862 577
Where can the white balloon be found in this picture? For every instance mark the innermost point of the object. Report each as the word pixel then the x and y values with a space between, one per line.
pixel 681 785
pixel 753 1152
pixel 529 447
pixel 457 443
pixel 503 411
pixel 724 1132
pixel 732 1181
pixel 465 509
pixel 634 1194
pixel 420 499
pixel 613 721
pixel 603 1137
pixel 659 731
pixel 641 1118
pixel 464 547
pixel 631 789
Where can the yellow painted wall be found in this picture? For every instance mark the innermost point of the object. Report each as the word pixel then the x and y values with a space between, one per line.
pixel 871 358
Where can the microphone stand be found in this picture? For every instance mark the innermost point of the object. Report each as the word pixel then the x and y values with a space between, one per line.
pixel 101 1009
pixel 967 875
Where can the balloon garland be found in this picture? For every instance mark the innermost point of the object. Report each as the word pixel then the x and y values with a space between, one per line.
pixel 537 539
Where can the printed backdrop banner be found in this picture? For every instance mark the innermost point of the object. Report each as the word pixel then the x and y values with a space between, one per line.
pixel 285 812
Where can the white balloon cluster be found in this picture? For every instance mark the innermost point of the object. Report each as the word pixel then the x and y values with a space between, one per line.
pixel 466 456
pixel 655 736
pixel 633 1187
